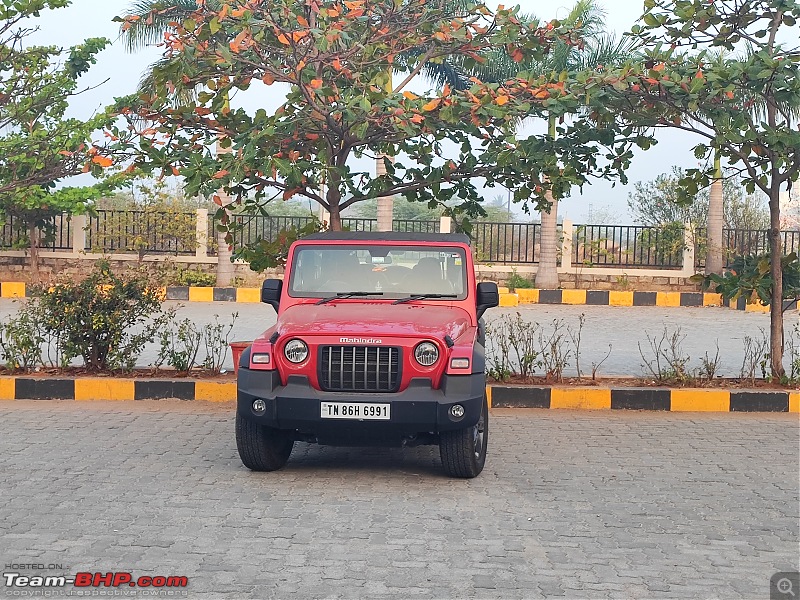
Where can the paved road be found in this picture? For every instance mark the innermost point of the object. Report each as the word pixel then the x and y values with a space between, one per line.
pixel 622 328
pixel 571 504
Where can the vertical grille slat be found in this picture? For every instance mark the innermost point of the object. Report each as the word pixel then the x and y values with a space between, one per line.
pixel 353 376
pixel 378 369
pixel 342 367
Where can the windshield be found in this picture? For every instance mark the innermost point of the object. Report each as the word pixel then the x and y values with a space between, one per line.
pixel 393 272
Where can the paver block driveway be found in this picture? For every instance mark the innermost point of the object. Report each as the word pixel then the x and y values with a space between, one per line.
pixel 570 504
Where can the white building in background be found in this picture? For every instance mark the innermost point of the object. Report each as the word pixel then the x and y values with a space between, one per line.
pixel 790 207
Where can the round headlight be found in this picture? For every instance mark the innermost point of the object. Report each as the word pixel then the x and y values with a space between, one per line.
pixel 426 354
pixel 296 351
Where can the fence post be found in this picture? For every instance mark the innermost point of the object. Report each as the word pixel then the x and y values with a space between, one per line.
pixel 688 251
pixel 566 244
pixel 78 234
pixel 201 233
pixel 445 224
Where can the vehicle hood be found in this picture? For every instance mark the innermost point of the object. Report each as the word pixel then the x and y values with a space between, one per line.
pixel 374 319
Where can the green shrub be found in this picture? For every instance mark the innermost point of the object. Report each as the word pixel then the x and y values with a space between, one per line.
pixel 180 343
pixel 750 277
pixel 518 282
pixel 106 319
pixel 21 339
pixel 193 277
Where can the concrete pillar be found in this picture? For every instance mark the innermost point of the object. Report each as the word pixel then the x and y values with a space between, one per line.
pixel 688 251
pixel 566 245
pixel 201 231
pixel 445 225
pixel 78 234
pixel 225 268
pixel 324 217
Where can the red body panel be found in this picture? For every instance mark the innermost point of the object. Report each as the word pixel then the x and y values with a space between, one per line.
pixel 379 322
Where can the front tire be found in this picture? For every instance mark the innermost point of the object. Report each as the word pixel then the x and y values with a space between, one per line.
pixel 262 448
pixel 463 451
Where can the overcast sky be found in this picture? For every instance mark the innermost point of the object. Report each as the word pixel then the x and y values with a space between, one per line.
pixel 93 18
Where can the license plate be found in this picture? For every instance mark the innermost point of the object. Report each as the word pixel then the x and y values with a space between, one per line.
pixel 355 410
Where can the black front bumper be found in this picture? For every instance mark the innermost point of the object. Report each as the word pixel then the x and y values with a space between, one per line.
pixel 418 409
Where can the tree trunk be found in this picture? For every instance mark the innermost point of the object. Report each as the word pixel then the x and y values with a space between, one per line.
pixel 33 239
pixel 776 271
pixel 715 222
pixel 336 218
pixel 385 203
pixel 547 273
pixel 334 198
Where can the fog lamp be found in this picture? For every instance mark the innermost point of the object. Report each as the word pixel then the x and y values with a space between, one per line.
pixel 457 411
pixel 259 406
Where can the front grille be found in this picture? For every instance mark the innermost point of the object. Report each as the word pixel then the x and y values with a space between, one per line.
pixel 359 369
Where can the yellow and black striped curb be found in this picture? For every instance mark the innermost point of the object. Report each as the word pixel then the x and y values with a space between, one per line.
pixel 629 398
pixel 627 298
pixel 14 289
pixel 500 396
pixel 114 388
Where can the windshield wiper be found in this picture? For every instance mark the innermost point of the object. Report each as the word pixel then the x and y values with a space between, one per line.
pixel 423 297
pixel 341 295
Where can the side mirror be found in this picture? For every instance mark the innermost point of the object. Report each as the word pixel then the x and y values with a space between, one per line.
pixel 271 292
pixel 488 296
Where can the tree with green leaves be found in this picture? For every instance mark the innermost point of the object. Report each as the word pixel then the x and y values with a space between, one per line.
pixel 335 57
pixel 39 146
pixel 597 48
pixel 658 202
pixel 147 24
pixel 743 107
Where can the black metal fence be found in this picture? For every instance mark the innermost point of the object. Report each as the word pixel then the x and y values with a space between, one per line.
pixel 517 243
pixel 13 234
pixel 736 242
pixel 249 229
pixel 630 246
pixel 627 246
pixel 743 241
pixel 142 232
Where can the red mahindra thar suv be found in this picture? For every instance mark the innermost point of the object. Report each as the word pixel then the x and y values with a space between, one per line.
pixel 379 341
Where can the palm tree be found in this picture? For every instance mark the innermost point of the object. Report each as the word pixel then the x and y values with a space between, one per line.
pixel 600 49
pixel 587 18
pixel 716 217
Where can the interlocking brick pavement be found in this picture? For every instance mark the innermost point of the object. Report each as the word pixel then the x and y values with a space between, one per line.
pixel 571 504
